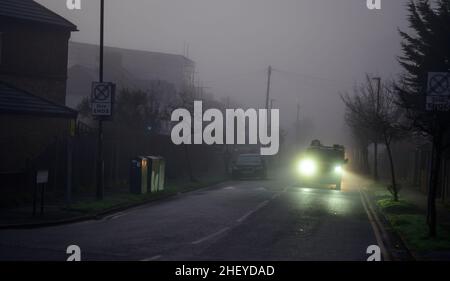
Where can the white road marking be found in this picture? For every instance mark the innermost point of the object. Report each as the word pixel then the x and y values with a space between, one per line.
pixel 241 219
pixel 260 205
pixel 374 225
pixel 152 258
pixel 117 216
pixel 114 216
pixel 211 236
pixel 275 196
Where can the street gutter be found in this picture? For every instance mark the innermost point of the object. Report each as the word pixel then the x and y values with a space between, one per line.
pixel 394 242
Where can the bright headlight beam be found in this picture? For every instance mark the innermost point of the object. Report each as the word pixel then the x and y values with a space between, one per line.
pixel 338 169
pixel 307 167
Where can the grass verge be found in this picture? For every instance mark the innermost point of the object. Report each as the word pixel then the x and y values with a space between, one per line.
pixel 410 222
pixel 124 198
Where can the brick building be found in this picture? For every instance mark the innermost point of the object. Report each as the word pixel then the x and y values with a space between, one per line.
pixel 33 74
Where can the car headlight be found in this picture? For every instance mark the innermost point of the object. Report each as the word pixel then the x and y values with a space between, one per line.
pixel 338 169
pixel 307 167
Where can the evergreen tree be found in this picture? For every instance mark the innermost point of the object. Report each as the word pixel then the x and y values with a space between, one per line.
pixel 426 49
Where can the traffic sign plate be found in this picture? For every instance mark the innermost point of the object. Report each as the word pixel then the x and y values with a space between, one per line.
pixel 42 176
pixel 101 92
pixel 101 109
pixel 438 83
pixel 438 103
pixel 102 98
pixel 438 92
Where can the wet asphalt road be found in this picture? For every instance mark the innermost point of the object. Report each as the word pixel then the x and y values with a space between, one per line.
pixel 241 220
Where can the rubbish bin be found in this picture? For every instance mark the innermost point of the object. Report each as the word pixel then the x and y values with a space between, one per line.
pixel 139 175
pixel 153 173
pixel 162 173
pixel 156 173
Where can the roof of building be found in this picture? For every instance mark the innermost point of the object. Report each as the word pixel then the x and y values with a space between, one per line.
pixel 87 55
pixel 132 69
pixel 17 101
pixel 29 10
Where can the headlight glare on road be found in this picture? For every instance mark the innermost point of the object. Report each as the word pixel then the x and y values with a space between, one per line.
pixel 338 169
pixel 307 167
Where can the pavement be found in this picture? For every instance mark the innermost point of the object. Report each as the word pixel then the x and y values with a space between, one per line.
pixel 58 212
pixel 22 217
pixel 419 199
pixel 239 220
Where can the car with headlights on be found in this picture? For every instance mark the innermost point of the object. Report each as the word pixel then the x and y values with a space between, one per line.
pixel 249 165
pixel 320 164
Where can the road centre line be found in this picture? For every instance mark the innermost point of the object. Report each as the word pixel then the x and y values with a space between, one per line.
pixel 152 258
pixel 259 206
pixel 240 220
pixel 275 196
pixel 217 233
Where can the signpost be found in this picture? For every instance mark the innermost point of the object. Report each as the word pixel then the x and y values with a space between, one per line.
pixel 41 180
pixel 100 168
pixel 438 92
pixel 102 104
pixel 42 176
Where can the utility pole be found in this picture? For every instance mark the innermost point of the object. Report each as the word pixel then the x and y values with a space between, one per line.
pixel 269 74
pixel 269 114
pixel 227 154
pixel 271 103
pixel 100 165
pixel 297 124
pixel 193 87
pixel 198 92
pixel 375 147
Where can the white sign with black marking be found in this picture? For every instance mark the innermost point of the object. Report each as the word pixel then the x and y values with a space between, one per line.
pixel 438 92
pixel 102 98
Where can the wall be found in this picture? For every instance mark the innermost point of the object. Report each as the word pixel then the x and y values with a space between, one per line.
pixel 34 58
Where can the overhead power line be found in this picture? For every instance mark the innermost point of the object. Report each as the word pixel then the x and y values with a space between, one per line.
pixel 309 76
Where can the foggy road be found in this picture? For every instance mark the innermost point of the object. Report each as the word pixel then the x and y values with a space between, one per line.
pixel 245 220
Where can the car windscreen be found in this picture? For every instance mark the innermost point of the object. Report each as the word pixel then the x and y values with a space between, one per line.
pixel 249 160
pixel 326 154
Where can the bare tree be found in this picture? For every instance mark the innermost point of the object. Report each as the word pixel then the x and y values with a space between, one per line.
pixel 362 140
pixel 186 101
pixel 377 116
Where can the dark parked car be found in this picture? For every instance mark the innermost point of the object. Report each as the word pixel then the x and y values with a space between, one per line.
pixel 249 165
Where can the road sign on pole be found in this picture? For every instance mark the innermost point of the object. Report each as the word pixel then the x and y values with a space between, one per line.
pixel 102 98
pixel 438 92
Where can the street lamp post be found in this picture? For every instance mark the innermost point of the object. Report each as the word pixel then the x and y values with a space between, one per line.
pixel 375 159
pixel 269 74
pixel 100 164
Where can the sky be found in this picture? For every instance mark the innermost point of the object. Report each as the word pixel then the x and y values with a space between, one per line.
pixel 318 48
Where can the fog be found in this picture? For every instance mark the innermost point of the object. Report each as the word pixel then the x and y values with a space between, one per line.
pixel 317 48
